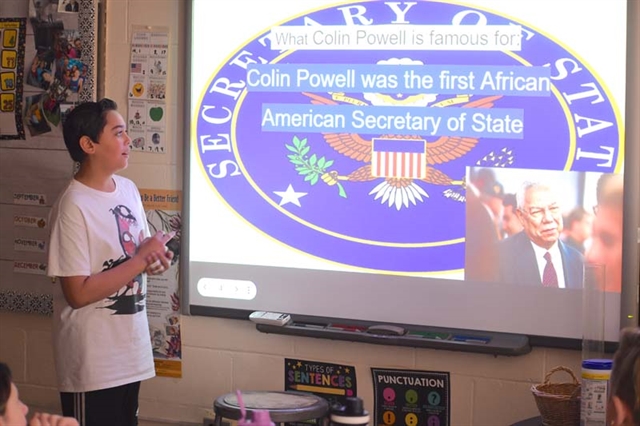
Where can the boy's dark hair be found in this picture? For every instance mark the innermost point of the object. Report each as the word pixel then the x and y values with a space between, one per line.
pixel 87 119
pixel 5 386
pixel 625 377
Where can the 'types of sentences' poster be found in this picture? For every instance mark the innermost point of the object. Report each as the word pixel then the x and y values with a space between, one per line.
pixel 333 382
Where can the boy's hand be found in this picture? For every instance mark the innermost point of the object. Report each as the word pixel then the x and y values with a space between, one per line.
pixel 155 252
pixel 157 263
pixel 46 419
pixel 155 244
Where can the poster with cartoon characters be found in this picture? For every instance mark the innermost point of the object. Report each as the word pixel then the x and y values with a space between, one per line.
pixel 147 89
pixel 163 294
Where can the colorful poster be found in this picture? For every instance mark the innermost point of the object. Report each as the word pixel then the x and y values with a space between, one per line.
pixel 163 294
pixel 12 42
pixel 333 382
pixel 56 66
pixel 411 398
pixel 147 90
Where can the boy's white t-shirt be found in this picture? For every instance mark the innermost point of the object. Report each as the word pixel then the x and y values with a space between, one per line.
pixel 105 344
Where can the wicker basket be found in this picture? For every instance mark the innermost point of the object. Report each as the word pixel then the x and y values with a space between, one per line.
pixel 558 403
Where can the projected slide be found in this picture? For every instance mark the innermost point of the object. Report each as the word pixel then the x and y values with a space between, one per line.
pixel 343 137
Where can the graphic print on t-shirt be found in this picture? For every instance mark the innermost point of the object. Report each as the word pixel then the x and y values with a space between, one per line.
pixel 130 300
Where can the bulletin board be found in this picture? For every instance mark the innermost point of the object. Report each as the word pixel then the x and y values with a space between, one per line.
pixel 48 65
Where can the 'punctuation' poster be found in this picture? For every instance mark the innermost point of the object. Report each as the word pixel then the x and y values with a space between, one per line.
pixel 411 398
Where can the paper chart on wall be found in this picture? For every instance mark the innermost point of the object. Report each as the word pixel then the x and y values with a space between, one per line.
pixel 147 90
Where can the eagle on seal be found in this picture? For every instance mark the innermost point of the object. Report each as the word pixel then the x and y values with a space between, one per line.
pixel 399 191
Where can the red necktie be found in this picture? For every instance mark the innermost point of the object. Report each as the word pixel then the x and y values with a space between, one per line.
pixel 549 276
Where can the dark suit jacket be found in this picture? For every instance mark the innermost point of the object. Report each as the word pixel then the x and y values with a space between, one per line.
pixel 481 239
pixel 517 263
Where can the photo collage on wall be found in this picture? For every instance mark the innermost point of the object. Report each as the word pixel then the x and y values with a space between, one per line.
pixel 56 69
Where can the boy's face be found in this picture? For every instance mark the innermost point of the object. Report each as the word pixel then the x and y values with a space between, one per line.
pixel 16 412
pixel 113 147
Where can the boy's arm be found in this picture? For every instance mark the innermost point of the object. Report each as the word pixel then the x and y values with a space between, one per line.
pixel 80 291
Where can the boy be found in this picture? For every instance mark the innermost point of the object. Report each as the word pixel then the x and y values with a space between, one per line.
pixel 100 251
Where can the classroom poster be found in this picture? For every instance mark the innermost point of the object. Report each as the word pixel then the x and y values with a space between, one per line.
pixel 411 398
pixel 59 61
pixel 147 90
pixel 333 382
pixel 12 42
pixel 163 291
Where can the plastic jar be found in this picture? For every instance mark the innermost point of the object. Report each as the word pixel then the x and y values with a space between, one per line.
pixel 595 391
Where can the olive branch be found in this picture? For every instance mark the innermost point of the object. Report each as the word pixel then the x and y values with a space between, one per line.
pixel 311 167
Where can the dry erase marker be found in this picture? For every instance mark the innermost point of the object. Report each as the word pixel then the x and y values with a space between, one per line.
pixel 386 330
pixel 315 325
pixel 428 335
pixel 347 327
pixel 470 339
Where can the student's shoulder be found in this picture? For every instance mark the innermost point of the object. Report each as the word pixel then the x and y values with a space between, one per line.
pixel 74 194
pixel 126 187
pixel 125 183
pixel 71 203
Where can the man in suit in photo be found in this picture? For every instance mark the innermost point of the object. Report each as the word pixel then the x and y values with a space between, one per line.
pixel 536 256
pixel 577 228
pixel 481 239
pixel 510 223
